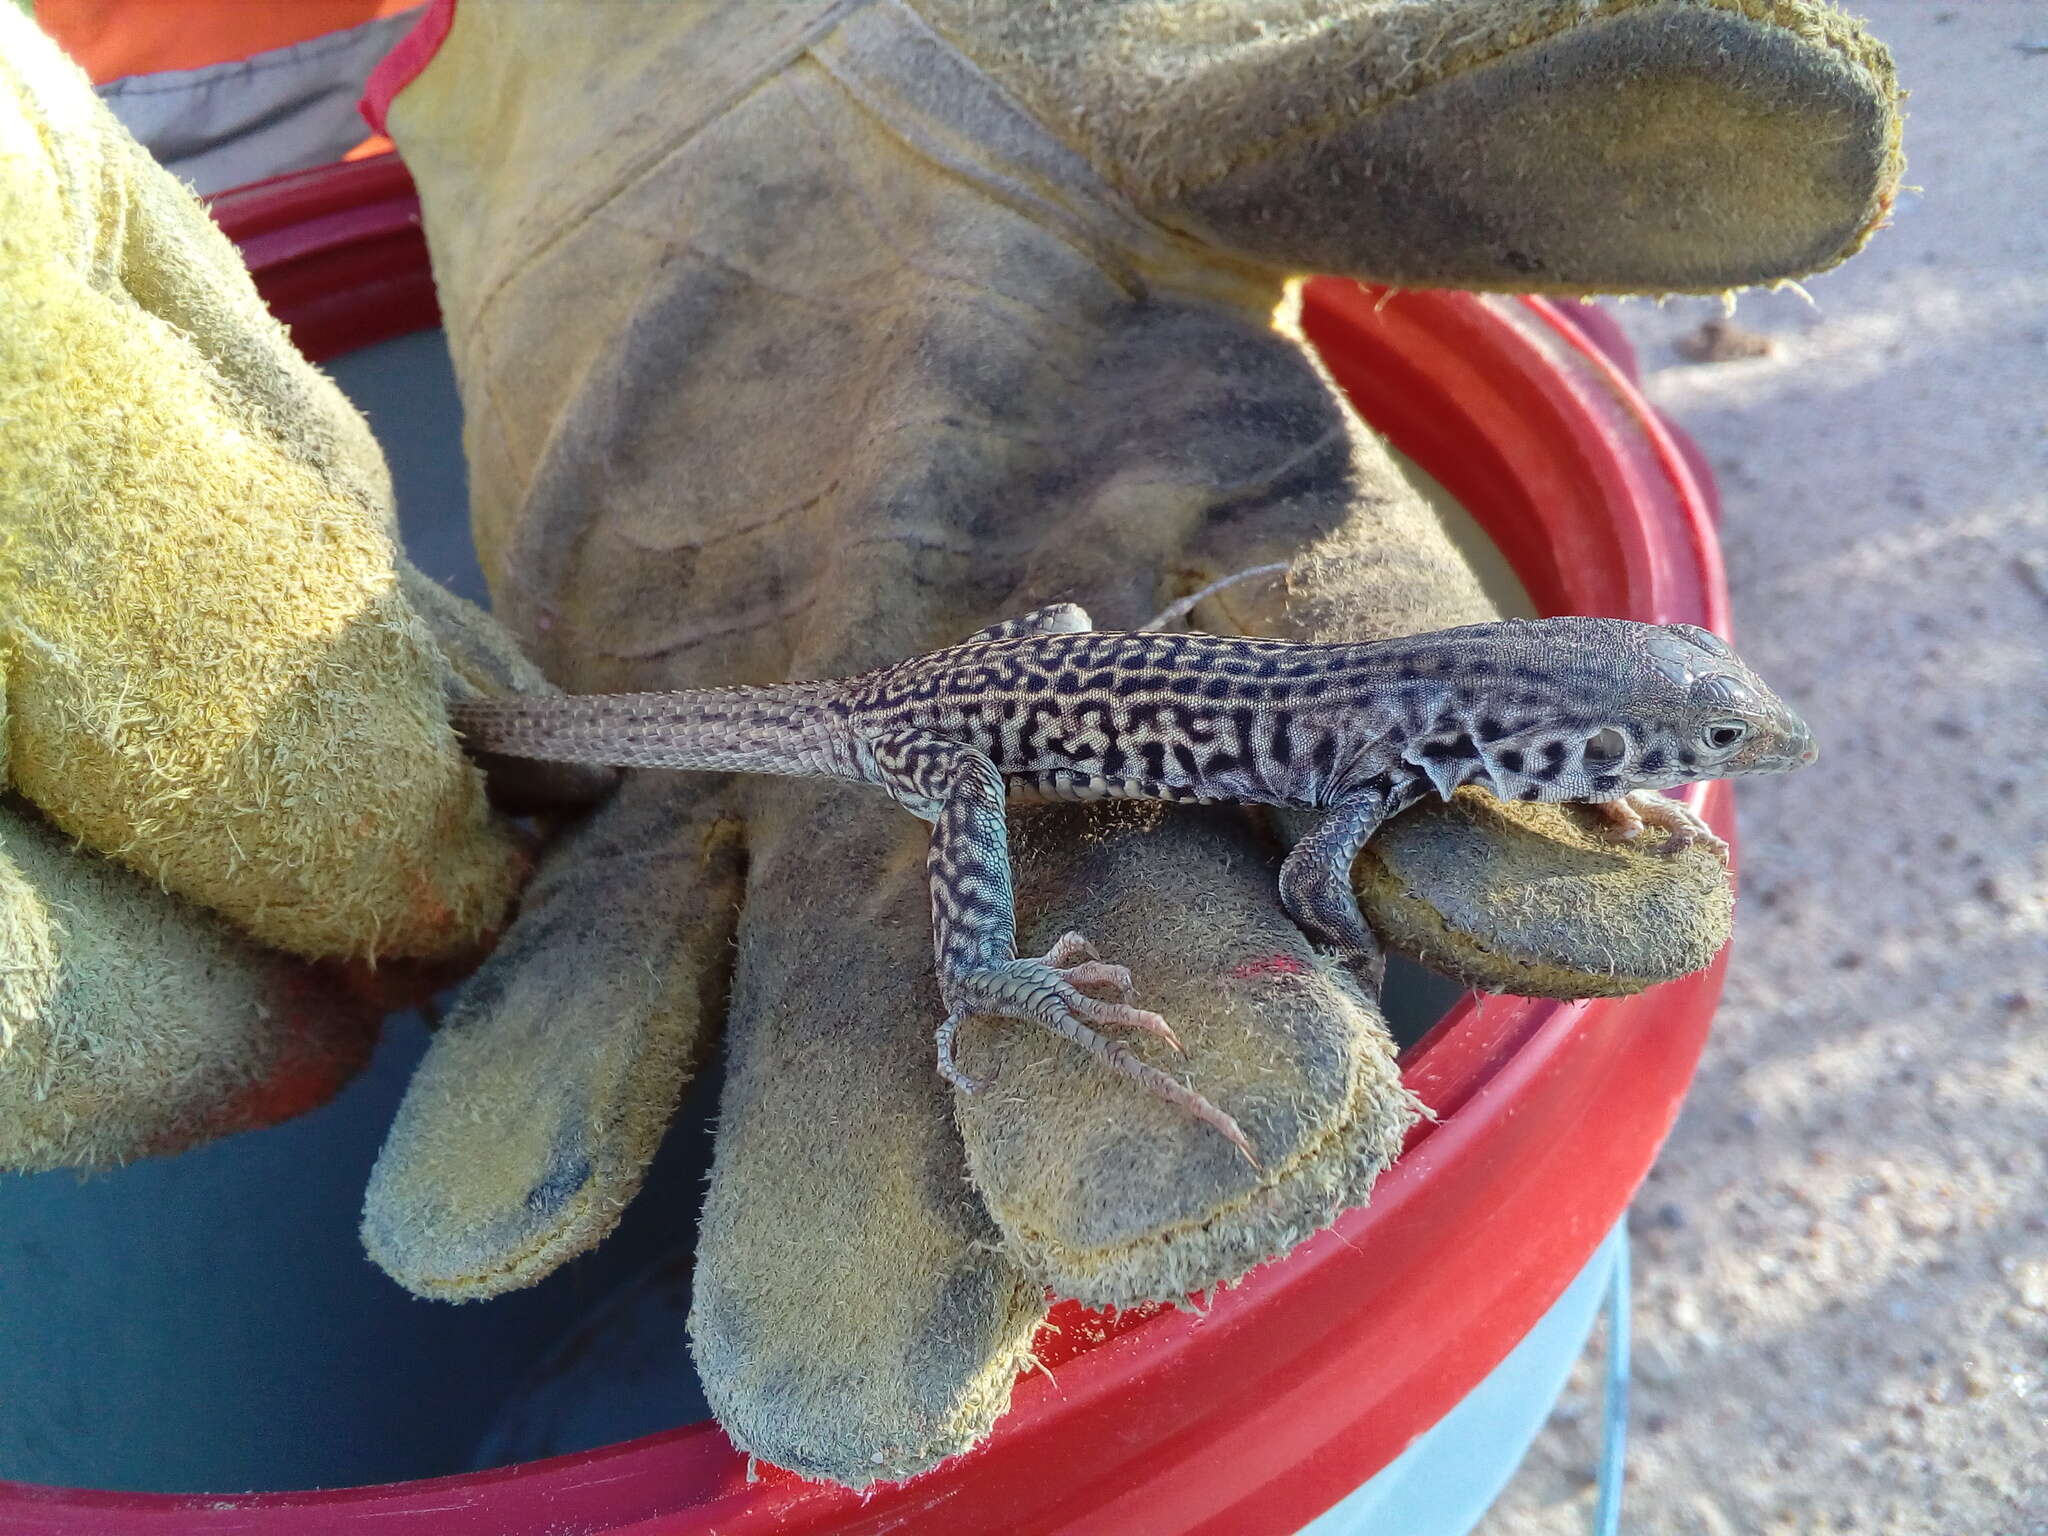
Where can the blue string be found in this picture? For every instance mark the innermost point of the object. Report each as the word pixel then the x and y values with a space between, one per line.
pixel 1614 1397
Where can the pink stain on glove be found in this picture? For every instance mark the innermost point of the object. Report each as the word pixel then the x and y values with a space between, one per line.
pixel 1271 965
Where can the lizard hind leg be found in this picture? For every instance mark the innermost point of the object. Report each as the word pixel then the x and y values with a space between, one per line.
pixel 1070 964
pixel 974 929
pixel 1052 990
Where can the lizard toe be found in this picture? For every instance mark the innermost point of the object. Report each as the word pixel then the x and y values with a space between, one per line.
pixel 1068 950
pixel 1096 1011
pixel 1097 973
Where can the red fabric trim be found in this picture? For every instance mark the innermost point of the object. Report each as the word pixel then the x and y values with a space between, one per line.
pixel 401 66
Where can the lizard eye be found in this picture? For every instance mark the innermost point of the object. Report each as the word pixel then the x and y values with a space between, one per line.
pixel 1723 734
pixel 1605 746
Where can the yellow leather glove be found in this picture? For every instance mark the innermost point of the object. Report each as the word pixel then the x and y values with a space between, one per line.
pixel 211 673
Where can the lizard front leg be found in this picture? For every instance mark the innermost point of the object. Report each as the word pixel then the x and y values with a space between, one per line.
pixel 1316 889
pixel 974 928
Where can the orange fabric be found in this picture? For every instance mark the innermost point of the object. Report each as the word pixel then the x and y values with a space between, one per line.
pixel 375 144
pixel 114 38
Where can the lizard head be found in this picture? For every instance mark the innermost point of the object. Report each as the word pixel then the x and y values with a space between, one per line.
pixel 1652 706
pixel 1711 715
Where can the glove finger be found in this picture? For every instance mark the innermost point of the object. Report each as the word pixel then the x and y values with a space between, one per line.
pixel 1533 900
pixel 853 1318
pixel 1549 146
pixel 527 1126
pixel 133 1024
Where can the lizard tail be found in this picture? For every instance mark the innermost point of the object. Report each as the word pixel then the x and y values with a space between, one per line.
pixel 781 729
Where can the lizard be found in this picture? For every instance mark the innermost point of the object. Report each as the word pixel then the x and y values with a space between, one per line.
pixel 1046 707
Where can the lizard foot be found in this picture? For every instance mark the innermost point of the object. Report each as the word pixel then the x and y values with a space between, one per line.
pixel 1054 990
pixel 1627 817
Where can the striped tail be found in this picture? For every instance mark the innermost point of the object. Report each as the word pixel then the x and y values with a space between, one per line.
pixel 783 729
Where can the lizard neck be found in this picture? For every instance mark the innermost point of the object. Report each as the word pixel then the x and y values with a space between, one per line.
pixel 1430 714
pixel 1518 745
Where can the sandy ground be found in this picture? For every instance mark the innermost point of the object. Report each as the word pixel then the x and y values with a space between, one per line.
pixel 1842 1256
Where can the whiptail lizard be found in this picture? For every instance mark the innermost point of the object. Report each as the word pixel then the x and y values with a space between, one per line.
pixel 1603 711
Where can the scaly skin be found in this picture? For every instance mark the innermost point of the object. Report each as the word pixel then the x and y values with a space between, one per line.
pixel 1603 711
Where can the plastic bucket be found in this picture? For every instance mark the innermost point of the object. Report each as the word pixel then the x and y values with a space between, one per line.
pixel 1299 1385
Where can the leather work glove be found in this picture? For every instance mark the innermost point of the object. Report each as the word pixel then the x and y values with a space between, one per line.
pixel 212 675
pixel 794 341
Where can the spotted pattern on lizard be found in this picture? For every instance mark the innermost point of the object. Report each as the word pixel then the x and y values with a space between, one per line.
pixel 1601 711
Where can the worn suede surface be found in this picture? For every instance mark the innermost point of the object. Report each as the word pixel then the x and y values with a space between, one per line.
pixel 838 334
